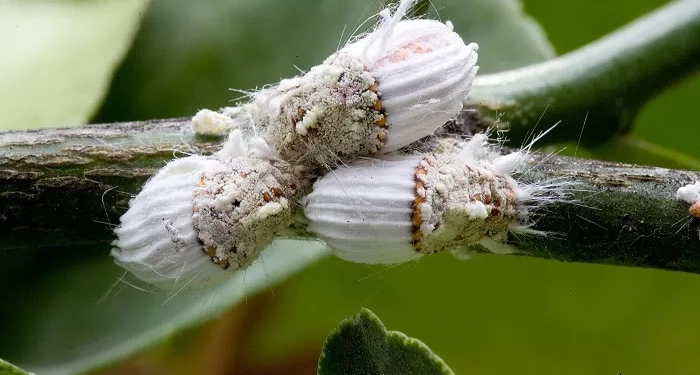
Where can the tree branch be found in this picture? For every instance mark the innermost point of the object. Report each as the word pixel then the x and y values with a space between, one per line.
pixel 604 83
pixel 620 214
pixel 70 186
pixel 65 186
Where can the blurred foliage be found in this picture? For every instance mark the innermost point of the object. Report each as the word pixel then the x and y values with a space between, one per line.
pixel 10 369
pixel 666 120
pixel 58 57
pixel 189 54
pixel 79 311
pixel 490 315
pixel 361 345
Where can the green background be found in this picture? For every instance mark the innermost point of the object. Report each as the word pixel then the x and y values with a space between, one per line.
pixel 489 315
pixel 495 315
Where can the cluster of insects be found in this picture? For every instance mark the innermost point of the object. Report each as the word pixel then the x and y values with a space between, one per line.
pixel 327 159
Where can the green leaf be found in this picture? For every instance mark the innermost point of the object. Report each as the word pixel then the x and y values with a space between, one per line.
pixel 628 149
pixel 361 345
pixel 58 57
pixel 7 368
pixel 498 314
pixel 76 313
pixel 189 54
pixel 639 151
pixel 604 83
pixel 508 38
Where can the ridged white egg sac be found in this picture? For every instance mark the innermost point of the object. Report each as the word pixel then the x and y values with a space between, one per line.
pixel 199 216
pixel 156 239
pixel 363 212
pixel 386 90
pixel 423 71
pixel 395 210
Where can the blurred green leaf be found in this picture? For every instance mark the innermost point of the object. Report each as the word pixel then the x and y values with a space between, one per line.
pixel 668 120
pixel 361 345
pixel 500 314
pixel 189 54
pixel 76 313
pixel 58 57
pixel 631 150
pixel 638 151
pixel 7 368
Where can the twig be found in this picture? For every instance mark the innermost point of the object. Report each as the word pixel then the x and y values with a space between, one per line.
pixel 66 186
pixel 607 81
pixel 620 214
pixel 69 186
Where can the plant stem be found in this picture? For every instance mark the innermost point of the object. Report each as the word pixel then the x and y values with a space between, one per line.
pixel 604 83
pixel 620 214
pixel 70 186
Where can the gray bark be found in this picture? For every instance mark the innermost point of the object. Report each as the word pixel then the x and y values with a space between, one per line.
pixel 70 186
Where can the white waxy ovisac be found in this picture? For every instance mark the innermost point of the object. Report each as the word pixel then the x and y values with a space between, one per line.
pixel 362 212
pixel 423 71
pixel 396 210
pixel 156 240
pixel 201 215
pixel 393 86
pixel 689 193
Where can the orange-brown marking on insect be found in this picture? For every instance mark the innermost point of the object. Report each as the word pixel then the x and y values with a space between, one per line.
pixel 267 197
pixel 416 216
pixel 276 192
pixel 377 106
pixel 373 87
pixel 381 122
pixel 224 264
pixel 694 209
pixel 298 116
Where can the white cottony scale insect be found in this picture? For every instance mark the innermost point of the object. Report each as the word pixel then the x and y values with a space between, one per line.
pixel 393 210
pixel 690 194
pixel 156 240
pixel 383 91
pixel 423 71
pixel 201 215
